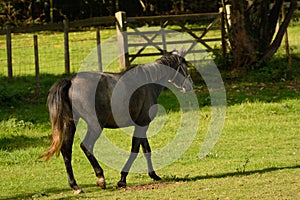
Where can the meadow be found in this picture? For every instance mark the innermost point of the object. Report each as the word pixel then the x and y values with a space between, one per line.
pixel 256 157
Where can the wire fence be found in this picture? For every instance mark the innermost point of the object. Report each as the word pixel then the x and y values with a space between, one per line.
pixel 51 52
pixel 81 43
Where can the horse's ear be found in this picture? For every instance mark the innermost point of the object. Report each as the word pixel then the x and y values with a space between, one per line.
pixel 174 48
pixel 182 52
pixel 174 51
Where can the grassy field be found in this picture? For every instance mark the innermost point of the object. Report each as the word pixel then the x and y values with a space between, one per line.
pixel 257 155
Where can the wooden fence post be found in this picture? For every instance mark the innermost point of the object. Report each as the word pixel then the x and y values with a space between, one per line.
pixel 99 49
pixel 122 39
pixel 66 46
pixel 163 36
pixel 37 66
pixel 223 31
pixel 227 13
pixel 9 53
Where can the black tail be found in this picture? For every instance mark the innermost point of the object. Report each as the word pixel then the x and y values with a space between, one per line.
pixel 60 115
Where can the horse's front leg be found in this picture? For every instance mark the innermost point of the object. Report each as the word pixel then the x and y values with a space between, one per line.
pixel 139 138
pixel 135 147
pixel 147 153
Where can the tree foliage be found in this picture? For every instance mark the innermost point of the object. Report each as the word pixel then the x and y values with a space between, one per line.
pixel 24 12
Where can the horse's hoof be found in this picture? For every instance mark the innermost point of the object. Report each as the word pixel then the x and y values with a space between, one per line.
pixel 121 184
pixel 101 183
pixel 154 176
pixel 78 191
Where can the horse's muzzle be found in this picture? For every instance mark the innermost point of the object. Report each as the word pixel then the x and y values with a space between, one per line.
pixel 187 84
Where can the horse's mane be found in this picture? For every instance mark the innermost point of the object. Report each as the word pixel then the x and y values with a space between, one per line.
pixel 154 71
pixel 171 60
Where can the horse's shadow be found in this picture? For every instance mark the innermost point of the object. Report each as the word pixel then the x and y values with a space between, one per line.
pixel 229 174
pixel 166 180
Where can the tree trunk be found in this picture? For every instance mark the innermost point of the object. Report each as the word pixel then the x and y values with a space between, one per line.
pixel 243 43
pixel 273 47
pixel 252 34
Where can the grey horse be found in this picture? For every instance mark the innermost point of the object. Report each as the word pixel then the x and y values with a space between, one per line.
pixel 111 100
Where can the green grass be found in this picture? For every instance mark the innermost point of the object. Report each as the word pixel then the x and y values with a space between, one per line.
pixel 256 157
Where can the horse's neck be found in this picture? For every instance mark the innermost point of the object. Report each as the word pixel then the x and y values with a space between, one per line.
pixel 155 73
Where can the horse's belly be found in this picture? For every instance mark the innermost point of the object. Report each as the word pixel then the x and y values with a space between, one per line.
pixel 119 123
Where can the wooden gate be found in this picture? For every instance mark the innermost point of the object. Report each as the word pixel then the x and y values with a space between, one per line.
pixel 157 38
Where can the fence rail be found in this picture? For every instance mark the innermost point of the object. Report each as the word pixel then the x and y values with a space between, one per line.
pixel 177 18
pixel 95 21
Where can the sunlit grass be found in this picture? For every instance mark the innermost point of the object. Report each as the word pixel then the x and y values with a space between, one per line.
pixel 257 154
pixel 259 145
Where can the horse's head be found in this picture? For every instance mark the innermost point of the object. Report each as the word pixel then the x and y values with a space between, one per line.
pixel 181 78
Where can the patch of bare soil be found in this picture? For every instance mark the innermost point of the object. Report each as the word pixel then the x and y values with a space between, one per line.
pixel 147 187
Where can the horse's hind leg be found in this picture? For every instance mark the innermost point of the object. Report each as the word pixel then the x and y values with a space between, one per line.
pixel 147 153
pixel 66 151
pixel 88 146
